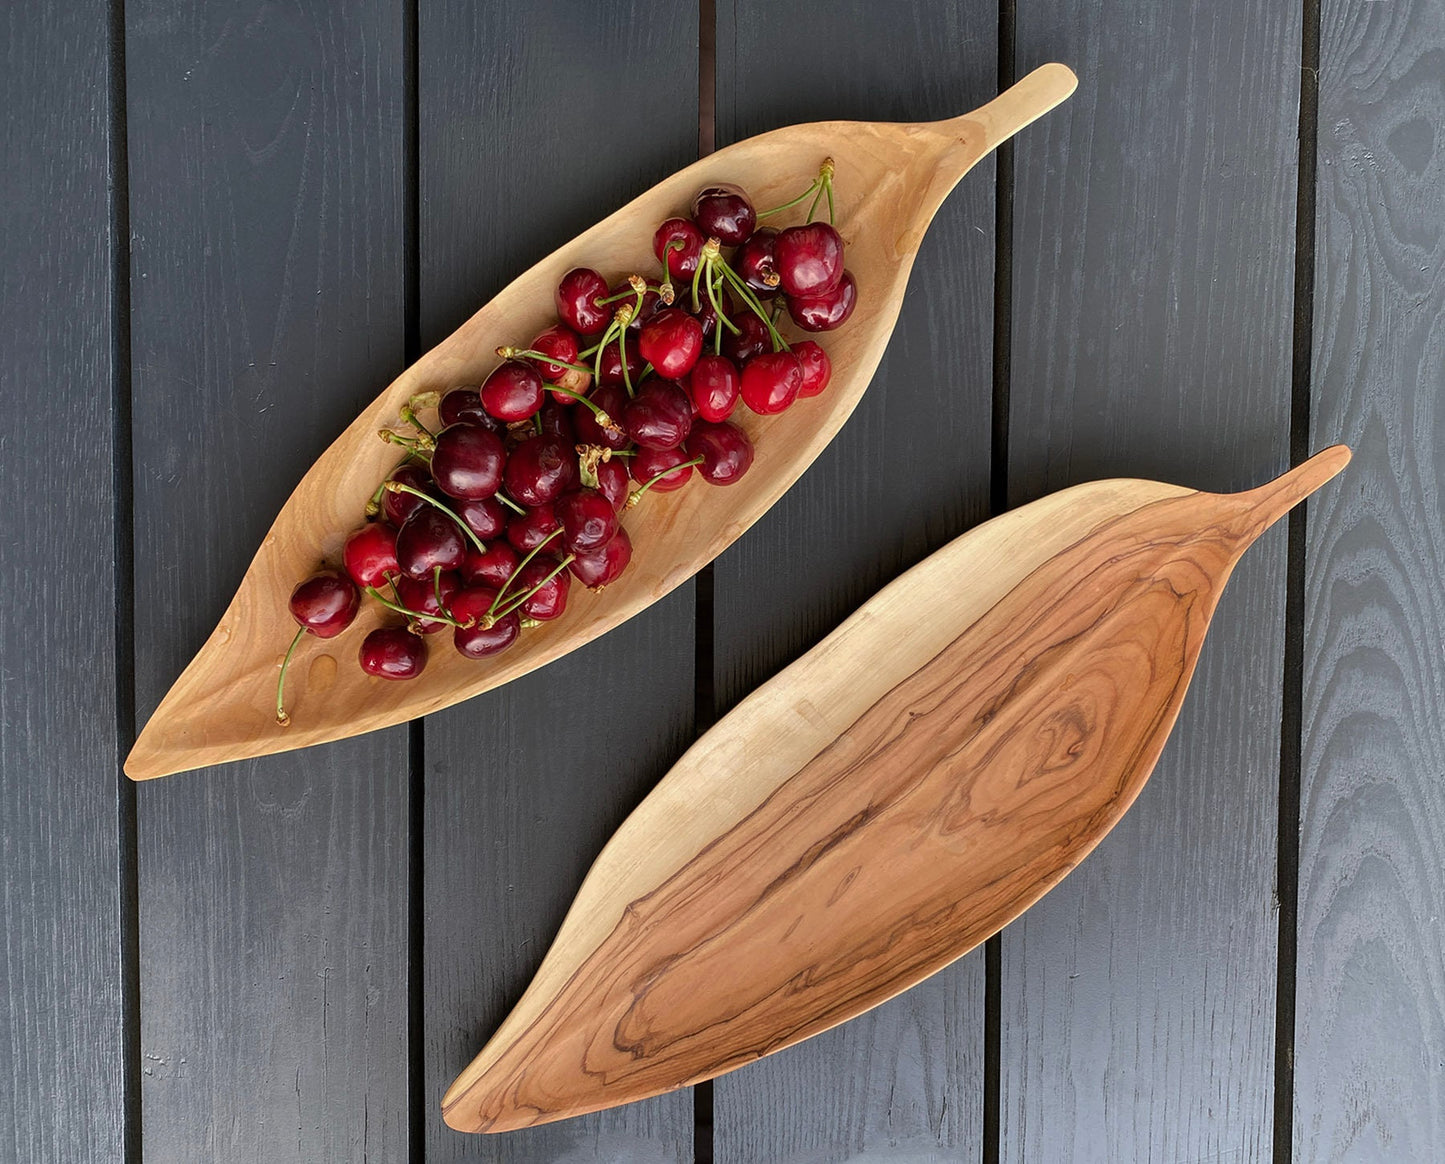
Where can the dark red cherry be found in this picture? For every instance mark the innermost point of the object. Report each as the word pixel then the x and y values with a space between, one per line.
pixel 706 317
pixel 725 212
pixel 825 312
pixel 527 531
pixel 420 595
pixel 540 470
pixel 610 369
pixel 650 462
pixel 682 242
pixel 809 259
pixel 604 566
pixel 556 419
pixel 464 406
pixel 467 462
pixel 671 342
pixel 513 391
pixel 752 337
pixel 771 382
pixel 492 568
pixel 589 520
pixel 714 387
pixel 550 600
pixel 399 506
pixel 817 368
pixel 659 416
pixel 486 518
pixel 560 343
pixel 325 603
pixel 370 554
pixel 613 481
pixel 612 399
pixel 577 301
pixel 651 302
pixel 474 639
pixel 725 450
pixel 429 539
pixel 756 262
pixel 393 652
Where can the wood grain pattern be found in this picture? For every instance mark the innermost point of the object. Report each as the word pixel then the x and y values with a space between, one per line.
pixel 1370 994
pixel 62 1086
pixel 223 705
pixel 909 472
pixel 266 159
pixel 524 784
pixel 801 864
pixel 1152 313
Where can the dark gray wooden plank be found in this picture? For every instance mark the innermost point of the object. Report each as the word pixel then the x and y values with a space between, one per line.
pixel 1370 1001
pixel 1153 253
pixel 531 130
pixel 61 1040
pixel 266 151
pixel 909 472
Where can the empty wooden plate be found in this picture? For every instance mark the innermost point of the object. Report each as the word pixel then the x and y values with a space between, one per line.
pixel 884 804
pixel 890 181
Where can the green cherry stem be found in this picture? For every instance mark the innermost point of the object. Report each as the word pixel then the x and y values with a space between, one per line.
pixel 746 294
pixel 412 614
pixel 402 487
pixel 541 358
pixel 532 553
pixel 509 503
pixel 281 717
pixel 520 600
pixel 653 480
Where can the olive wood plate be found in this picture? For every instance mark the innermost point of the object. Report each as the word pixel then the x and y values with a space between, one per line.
pixel 890 181
pixel 884 804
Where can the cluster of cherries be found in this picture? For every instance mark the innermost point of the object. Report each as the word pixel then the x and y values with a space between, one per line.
pixel 523 483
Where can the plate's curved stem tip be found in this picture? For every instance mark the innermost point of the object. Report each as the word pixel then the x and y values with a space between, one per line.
pixel 1272 501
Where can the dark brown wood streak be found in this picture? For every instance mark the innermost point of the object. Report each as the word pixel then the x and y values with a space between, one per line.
pixel 956 799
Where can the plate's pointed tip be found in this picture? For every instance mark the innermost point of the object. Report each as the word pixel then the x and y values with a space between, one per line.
pixel 1061 75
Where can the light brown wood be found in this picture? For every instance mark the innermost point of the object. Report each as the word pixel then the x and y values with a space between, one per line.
pixel 884 804
pixel 890 181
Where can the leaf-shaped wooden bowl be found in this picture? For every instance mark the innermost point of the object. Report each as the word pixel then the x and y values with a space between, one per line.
pixel 891 179
pixel 884 804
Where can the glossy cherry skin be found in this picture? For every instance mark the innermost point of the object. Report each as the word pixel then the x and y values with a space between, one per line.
pixel 809 259
pixel 467 462
pixel 659 416
pixel 614 481
pixel 492 568
pixel 609 371
pixel 650 462
pixel 825 312
pixel 756 262
pixel 514 391
pixel 326 603
pixel 725 450
pixel 612 399
pixel 723 211
pixel 486 518
pixel 393 652
pixel 714 387
pixel 604 566
pixel 560 343
pixel 527 531
pixel 556 419
pixel 706 316
pixel 577 298
pixel 752 338
pixel 370 554
pixel 420 595
pixel 399 506
pixel 429 539
pixel 817 368
pixel 686 242
pixel 671 341
pixel 540 470
pixel 477 641
pixel 550 600
pixel 771 382
pixel 464 406
pixel 589 520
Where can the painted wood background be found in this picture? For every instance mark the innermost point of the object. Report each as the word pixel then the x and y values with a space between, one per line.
pixel 224 226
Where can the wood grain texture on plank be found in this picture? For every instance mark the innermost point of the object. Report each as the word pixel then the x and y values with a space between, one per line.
pixel 908 472
pixel 266 163
pixel 532 129
pixel 1152 318
pixel 61 1039
pixel 1370 991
